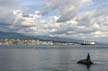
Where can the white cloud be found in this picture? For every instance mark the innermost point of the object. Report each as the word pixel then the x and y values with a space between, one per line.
pixel 34 23
pixel 91 25
pixel 6 8
pixel 67 9
pixel 86 26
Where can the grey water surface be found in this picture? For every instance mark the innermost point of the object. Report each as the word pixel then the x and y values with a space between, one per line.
pixel 56 58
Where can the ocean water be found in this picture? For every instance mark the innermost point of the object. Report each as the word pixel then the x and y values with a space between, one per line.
pixel 52 58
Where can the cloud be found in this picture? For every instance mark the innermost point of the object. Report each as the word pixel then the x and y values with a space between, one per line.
pixel 96 23
pixel 85 26
pixel 34 23
pixel 67 9
pixel 6 13
pixel 70 22
pixel 6 8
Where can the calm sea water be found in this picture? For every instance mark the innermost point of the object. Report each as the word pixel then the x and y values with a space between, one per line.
pixel 56 58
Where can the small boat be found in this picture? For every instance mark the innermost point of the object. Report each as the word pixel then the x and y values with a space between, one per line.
pixel 86 61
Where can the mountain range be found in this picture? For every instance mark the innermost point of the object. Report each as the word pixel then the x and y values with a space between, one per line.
pixel 13 35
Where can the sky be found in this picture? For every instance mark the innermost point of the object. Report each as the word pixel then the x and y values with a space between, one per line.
pixel 78 19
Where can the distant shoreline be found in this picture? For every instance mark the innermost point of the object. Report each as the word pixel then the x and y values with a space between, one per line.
pixel 52 47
